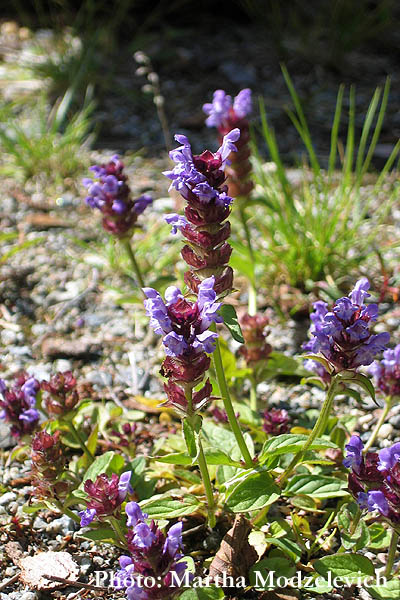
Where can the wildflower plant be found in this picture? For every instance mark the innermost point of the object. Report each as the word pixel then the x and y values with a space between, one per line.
pixel 341 343
pixel 109 192
pixel 19 404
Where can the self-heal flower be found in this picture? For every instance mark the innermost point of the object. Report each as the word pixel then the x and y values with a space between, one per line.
pixel 276 421
pixel 18 404
pixel 374 480
pixel 201 180
pixel 110 193
pixel 387 372
pixel 354 449
pixel 256 348
pixel 48 462
pixel 153 555
pixel 187 340
pixel 105 496
pixel 225 115
pixel 61 393
pixel 342 335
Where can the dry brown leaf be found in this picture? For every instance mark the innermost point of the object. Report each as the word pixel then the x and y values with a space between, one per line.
pixel 57 564
pixel 235 555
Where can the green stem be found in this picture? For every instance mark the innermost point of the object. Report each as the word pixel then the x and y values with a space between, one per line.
pixel 381 420
pixel 127 245
pixel 252 293
pixel 201 460
pixel 253 394
pixel 118 531
pixel 391 554
pixel 318 429
pixel 70 514
pixel 80 441
pixel 226 398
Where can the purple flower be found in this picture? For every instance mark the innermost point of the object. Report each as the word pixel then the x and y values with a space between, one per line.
pixel 142 203
pixel 87 516
pixel 388 457
pixel 218 109
pixel 276 421
pixel 221 112
pixel 111 194
pixel 387 372
pixel 374 500
pixel 343 335
pixel 242 104
pixel 177 222
pixel 354 449
pixel 202 175
pixel 154 555
pixel 184 325
pixel 124 485
pixel 18 404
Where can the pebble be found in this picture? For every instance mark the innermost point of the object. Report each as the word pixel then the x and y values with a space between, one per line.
pixel 7 498
pixel 38 523
pixel 85 565
pixel 385 431
pixel 64 525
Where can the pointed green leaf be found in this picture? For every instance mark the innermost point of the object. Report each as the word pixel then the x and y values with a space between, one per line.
pixel 228 313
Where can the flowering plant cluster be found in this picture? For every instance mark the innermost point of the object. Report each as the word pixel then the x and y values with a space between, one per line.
pixel 225 115
pixel 201 181
pixel 153 555
pixel 342 334
pixel 374 480
pixel 110 193
pixel 18 404
pixel 187 340
pixel 276 421
pixel 105 496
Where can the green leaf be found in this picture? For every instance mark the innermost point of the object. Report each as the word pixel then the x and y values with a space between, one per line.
pixel 190 437
pixel 379 536
pixel 203 593
pixel 34 508
pixel 280 364
pixel 316 486
pixel 360 538
pixel 254 493
pixel 213 457
pixel 290 443
pixel 106 463
pixel 228 313
pixel 289 547
pixel 319 359
pixel 364 382
pixel 347 566
pixel 390 591
pixel 100 534
pixel 170 506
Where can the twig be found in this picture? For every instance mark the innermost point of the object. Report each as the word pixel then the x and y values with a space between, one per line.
pixel 86 586
pixel 13 579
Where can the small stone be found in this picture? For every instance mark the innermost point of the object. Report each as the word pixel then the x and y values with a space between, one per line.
pixel 385 431
pixel 7 498
pixel 85 565
pixel 63 525
pixel 38 523
pixel 28 596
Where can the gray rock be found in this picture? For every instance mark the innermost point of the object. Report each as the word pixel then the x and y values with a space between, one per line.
pixel 385 431
pixel 38 523
pixel 85 565
pixel 7 498
pixel 64 525
pixel 6 439
pixel 100 378
pixel 28 596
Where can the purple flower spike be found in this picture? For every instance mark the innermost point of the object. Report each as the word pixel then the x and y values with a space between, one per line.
pixel 143 537
pixel 354 449
pixel 342 335
pixel 228 145
pixel 18 404
pixel 142 203
pixel 87 516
